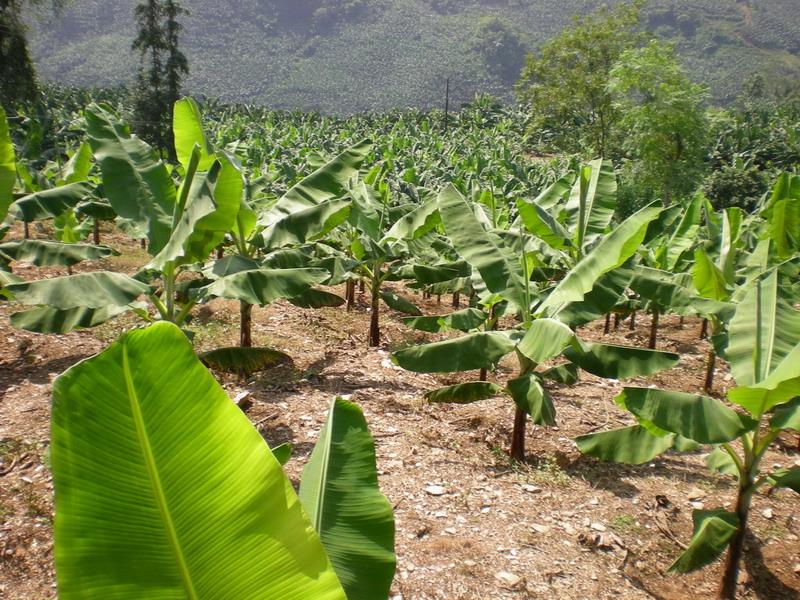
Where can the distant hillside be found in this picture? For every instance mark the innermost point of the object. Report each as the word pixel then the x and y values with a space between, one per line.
pixel 352 55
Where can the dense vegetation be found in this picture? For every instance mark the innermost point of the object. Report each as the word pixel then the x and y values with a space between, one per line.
pixel 612 189
pixel 377 55
pixel 264 205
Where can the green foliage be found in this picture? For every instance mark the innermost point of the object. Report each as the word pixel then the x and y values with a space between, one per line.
pixel 278 54
pixel 565 83
pixel 663 117
pixel 203 509
pixel 339 491
pixel 162 67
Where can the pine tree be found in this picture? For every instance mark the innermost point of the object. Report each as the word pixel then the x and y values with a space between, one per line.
pixel 161 71
pixel 150 112
pixel 176 66
pixel 17 74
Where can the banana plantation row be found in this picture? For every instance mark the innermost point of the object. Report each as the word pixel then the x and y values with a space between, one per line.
pixel 533 252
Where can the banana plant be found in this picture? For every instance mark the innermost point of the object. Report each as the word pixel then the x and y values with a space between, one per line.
pixel 306 212
pixel 668 251
pixel 182 225
pixel 200 506
pixel 339 492
pixel 8 171
pixel 504 277
pixel 764 355
pixel 382 243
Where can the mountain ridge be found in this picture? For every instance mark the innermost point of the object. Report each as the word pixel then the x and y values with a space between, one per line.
pixel 345 56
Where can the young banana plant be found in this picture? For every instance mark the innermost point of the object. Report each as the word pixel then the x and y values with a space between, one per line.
pixel 183 226
pixel 261 269
pixel 541 336
pixel 764 354
pixel 167 490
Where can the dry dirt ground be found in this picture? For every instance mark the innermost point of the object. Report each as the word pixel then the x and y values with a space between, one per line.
pixel 470 523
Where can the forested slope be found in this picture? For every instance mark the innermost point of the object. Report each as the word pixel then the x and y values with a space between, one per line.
pixel 350 55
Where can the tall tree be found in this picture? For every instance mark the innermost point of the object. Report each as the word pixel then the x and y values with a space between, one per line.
pixel 161 70
pixel 177 67
pixel 17 73
pixel 150 113
pixel 565 84
pixel 663 116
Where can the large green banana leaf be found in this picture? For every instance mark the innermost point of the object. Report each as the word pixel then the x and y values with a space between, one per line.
pixel 135 181
pixel 462 320
pixel 531 397
pixel 262 286
pixel 764 330
pixel 630 445
pixel 620 362
pixel 43 253
pixel 187 129
pixel 592 202
pixel 684 236
pixel 608 291
pixel 52 203
pixel 614 249
pixel 499 269
pixel 476 350
pixel 700 418
pixel 164 490
pixel 416 223
pixel 77 168
pixel 212 205
pixel 464 393
pixel 546 339
pixel 307 224
pixel 729 243
pixel 328 182
pixel 543 225
pixel 8 170
pixel 45 319
pixel 783 215
pixel 368 211
pixel 713 530
pixel 555 193
pixel 87 290
pixel 339 491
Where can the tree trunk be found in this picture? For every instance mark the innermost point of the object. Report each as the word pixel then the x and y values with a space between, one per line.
pixel 456 300
pixel 710 365
pixel 374 323
pixel 96 232
pixel 220 251
pixel 518 435
pixel 653 330
pixel 483 374
pixel 680 323
pixel 142 243
pixel 245 324
pixel 438 298
pixel 730 575
pixel 633 321
pixel 607 326
pixel 616 321
pixel 361 287
pixel 704 329
pixel 26 230
pixel 350 294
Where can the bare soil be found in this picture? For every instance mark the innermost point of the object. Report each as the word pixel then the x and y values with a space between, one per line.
pixel 559 525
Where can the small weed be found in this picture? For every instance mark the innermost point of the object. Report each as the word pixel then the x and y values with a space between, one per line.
pixel 624 524
pixel 545 471
pixel 548 472
pixel 5 512
pixel 775 531
pixel 35 505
